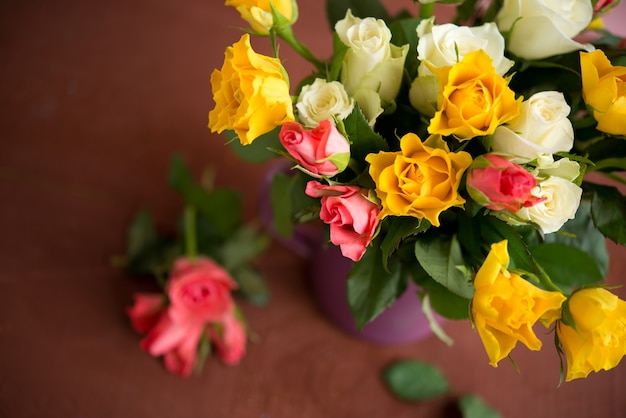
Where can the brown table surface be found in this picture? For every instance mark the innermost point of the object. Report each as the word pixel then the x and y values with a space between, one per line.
pixel 96 97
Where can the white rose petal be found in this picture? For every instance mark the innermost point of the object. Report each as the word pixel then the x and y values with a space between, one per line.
pixel 423 94
pixel 323 100
pixel 543 28
pixel 562 201
pixel 541 128
pixel 445 45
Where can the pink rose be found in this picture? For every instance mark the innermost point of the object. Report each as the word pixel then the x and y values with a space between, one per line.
pixel 229 337
pixel 322 151
pixel 199 291
pixel 352 217
pixel 146 311
pixel 499 184
pixel 177 342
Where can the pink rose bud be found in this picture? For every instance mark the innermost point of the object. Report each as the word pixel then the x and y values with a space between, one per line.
pixel 177 342
pixel 199 291
pixel 352 216
pixel 498 184
pixel 146 311
pixel 229 337
pixel 322 151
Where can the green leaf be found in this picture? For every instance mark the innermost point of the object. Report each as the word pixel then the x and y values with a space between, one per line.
pixel 282 209
pixel 495 230
pixel 415 380
pixel 472 406
pixel 441 257
pixel 608 210
pixel 370 288
pixel 400 227
pixel 260 150
pixel 222 207
pixel 141 234
pixel 252 285
pixel 336 10
pixel 362 137
pixel 567 266
pixel 581 233
pixel 404 32
pixel 446 303
pixel 242 247
pixel 339 51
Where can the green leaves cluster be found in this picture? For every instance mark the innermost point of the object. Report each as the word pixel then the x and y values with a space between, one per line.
pixel 216 230
pixel 418 381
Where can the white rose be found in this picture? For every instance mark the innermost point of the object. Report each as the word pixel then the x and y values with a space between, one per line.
pixel 371 63
pixel 543 28
pixel 423 94
pixel 562 199
pixel 541 128
pixel 564 168
pixel 323 100
pixel 445 45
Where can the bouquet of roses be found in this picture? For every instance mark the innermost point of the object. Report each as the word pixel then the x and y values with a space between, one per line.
pixel 454 155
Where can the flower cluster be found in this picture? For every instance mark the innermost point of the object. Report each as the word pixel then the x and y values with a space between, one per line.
pixel 197 310
pixel 445 151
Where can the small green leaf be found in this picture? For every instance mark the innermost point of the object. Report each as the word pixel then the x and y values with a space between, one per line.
pixel 141 234
pixel 260 150
pixel 400 227
pixel 472 406
pixel 370 288
pixel 242 247
pixel 362 137
pixel 446 303
pixel 252 285
pixel 441 257
pixel 403 32
pixel 282 208
pixel 495 230
pixel 567 266
pixel 415 380
pixel 608 210
pixel 339 51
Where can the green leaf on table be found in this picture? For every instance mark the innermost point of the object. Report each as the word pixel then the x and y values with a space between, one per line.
pixel 336 10
pixel 608 210
pixel 370 288
pixel 442 259
pixel 222 207
pixel 415 380
pixel 473 406
pixel 252 285
pixel 260 150
pixel 362 137
pixel 141 234
pixel 567 266
pixel 243 247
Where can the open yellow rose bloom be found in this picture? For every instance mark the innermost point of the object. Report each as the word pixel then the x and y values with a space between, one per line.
pixel 419 180
pixel 505 306
pixel 251 93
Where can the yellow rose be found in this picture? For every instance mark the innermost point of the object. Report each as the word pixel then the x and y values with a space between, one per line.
pixel 473 99
pixel 250 92
pixel 599 339
pixel 604 90
pixel 258 13
pixel 505 307
pixel 420 180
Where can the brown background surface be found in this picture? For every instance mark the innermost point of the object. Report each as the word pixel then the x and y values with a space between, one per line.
pixel 96 97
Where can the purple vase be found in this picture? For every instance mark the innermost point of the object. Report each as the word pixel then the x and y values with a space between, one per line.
pixel 402 323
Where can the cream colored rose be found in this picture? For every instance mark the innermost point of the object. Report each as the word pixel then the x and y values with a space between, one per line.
pixel 371 63
pixel 445 45
pixel 543 28
pixel 562 198
pixel 541 128
pixel 423 94
pixel 323 100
